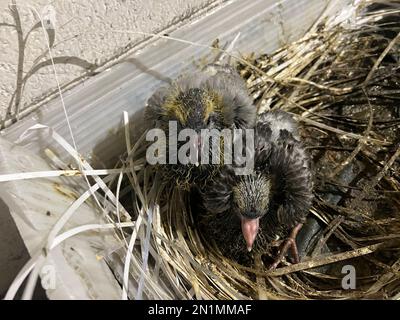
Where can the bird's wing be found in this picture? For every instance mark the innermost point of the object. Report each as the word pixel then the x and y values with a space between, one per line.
pixel 274 128
pixel 292 180
pixel 217 195
pixel 280 153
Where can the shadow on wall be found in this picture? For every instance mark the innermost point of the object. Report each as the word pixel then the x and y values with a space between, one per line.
pixel 109 150
pixel 43 60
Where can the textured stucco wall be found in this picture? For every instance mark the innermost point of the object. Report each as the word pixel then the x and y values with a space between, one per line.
pixel 82 41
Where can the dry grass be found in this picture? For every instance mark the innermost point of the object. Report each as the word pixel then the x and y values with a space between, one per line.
pixel 341 81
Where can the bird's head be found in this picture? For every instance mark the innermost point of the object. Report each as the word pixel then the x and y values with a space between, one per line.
pixel 250 201
pixel 194 108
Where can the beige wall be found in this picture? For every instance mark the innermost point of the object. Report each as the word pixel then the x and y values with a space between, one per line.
pixel 82 42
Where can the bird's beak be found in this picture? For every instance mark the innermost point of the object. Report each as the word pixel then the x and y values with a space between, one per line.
pixel 249 230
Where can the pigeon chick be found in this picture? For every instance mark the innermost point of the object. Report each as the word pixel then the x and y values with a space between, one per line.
pixel 245 213
pixel 213 98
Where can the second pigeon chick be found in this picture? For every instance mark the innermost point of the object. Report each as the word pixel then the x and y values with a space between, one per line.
pixel 245 213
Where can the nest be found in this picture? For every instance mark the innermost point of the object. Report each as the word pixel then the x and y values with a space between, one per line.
pixel 341 82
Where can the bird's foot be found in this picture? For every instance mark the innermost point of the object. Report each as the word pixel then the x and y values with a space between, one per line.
pixel 289 243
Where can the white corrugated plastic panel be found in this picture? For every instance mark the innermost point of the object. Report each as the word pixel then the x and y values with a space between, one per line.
pixel 95 107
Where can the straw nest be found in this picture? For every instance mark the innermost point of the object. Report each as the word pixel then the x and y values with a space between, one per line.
pixel 341 81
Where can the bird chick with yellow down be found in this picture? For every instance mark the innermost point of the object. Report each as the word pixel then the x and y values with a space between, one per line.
pixel 213 98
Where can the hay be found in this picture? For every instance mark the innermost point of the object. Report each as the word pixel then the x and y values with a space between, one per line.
pixel 341 81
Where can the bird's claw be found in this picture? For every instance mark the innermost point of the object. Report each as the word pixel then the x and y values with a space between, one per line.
pixel 289 243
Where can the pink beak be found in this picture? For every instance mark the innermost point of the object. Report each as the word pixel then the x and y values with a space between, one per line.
pixel 249 230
